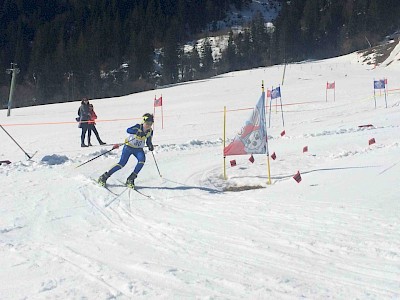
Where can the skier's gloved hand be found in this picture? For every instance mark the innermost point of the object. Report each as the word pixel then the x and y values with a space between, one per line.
pixel 141 134
pixel 151 147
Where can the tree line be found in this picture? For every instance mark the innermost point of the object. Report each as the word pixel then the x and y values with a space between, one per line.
pixel 68 49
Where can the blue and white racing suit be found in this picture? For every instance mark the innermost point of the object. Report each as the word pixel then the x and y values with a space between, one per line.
pixel 134 144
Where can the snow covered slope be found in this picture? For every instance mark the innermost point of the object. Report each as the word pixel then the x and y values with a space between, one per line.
pixel 336 234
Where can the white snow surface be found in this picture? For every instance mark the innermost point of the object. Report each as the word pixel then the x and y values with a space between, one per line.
pixel 334 235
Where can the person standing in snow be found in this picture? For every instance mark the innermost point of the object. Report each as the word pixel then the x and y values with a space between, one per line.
pixel 92 126
pixel 84 117
pixel 138 136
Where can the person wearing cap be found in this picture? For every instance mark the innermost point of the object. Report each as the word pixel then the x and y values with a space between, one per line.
pixel 139 135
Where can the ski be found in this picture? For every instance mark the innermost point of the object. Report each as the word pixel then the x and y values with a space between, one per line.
pixel 107 187
pixel 127 189
pixel 105 145
pixel 112 192
pixel 116 197
pixel 141 193
pixel 136 190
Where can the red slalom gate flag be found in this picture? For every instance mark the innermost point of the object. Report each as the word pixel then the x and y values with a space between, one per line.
pixel 283 133
pixel 233 163
pixel 297 177
pixel 330 85
pixel 305 149
pixel 158 101
pixel 251 158
pixel 273 156
pixel 371 141
pixel 268 93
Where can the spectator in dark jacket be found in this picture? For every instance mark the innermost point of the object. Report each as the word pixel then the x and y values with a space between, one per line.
pixel 84 117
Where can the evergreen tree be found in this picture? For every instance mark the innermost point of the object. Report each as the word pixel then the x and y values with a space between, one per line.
pixel 207 61
pixel 143 55
pixel 170 57
pixel 230 57
pixel 51 40
pixel 309 25
pixel 259 42
pixel 194 63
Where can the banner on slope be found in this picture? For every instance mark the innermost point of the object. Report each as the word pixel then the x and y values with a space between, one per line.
pixel 252 138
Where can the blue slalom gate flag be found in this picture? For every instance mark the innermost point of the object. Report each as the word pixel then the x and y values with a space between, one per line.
pixel 379 84
pixel 276 92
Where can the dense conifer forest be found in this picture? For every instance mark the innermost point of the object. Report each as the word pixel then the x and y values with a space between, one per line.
pixel 67 49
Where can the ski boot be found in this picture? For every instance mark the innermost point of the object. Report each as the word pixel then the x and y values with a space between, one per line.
pixel 130 181
pixel 103 179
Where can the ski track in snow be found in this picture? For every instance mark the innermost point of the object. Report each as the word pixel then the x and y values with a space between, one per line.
pixel 128 216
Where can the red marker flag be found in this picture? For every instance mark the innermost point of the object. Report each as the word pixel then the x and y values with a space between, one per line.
pixel 251 158
pixel 371 141
pixel 233 163
pixel 330 85
pixel 305 149
pixel 158 101
pixel 283 133
pixel 297 177
pixel 273 156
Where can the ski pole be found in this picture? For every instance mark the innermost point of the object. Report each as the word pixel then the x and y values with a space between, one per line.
pixel 156 164
pixel 29 157
pixel 116 146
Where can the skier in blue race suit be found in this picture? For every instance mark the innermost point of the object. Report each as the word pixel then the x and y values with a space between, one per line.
pixel 138 136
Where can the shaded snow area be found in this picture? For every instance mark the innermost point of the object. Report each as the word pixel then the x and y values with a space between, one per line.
pixel 334 235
